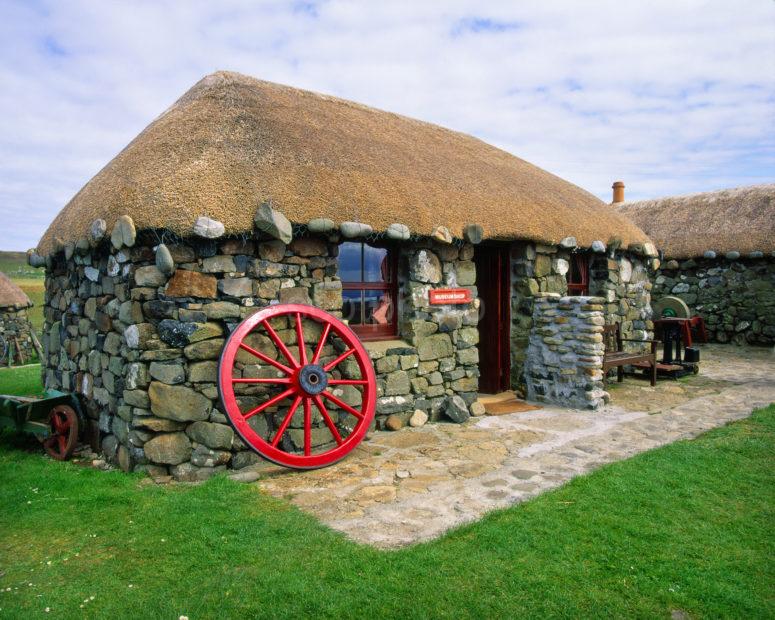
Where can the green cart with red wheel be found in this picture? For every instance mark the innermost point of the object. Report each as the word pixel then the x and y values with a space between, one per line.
pixel 54 419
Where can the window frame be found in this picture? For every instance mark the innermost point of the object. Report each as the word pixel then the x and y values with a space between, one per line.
pixel 367 332
pixel 581 261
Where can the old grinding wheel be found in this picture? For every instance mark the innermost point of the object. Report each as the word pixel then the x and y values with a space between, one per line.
pixel 292 380
pixel 63 422
pixel 671 307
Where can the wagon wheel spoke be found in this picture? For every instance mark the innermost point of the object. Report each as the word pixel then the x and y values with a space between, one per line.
pixel 328 367
pixel 340 403
pixel 321 343
pixel 269 381
pixel 327 419
pixel 270 402
pixel 347 382
pixel 266 358
pixel 307 427
pixel 56 421
pixel 280 344
pixel 300 341
pixel 286 421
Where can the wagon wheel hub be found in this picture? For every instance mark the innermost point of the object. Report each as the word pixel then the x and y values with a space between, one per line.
pixel 293 381
pixel 312 379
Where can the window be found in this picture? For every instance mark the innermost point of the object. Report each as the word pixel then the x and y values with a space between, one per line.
pixel 368 275
pixel 578 275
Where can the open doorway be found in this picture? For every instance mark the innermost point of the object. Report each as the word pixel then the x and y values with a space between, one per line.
pixel 493 281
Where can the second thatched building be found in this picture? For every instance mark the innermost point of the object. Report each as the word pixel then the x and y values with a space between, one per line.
pixel 719 257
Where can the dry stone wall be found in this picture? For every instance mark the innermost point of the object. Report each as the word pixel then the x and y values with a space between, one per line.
pixel 625 284
pixel 565 355
pixel 735 295
pixel 142 346
pixel 137 333
pixel 15 329
pixel 621 278
pixel 435 369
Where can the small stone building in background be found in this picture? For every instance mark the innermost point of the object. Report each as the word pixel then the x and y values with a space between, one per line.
pixel 246 193
pixel 16 344
pixel 719 257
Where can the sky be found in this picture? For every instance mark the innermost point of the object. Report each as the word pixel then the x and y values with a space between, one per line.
pixel 671 97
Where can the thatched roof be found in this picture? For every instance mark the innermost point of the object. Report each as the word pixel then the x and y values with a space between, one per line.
pixel 740 219
pixel 11 296
pixel 232 142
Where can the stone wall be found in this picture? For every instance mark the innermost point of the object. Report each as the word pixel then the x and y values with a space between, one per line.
pixel 15 328
pixel 140 341
pixel 735 295
pixel 625 284
pixel 441 360
pixel 564 362
pixel 621 278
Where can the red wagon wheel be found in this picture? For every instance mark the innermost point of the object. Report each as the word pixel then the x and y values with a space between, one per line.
pixel 299 385
pixel 63 422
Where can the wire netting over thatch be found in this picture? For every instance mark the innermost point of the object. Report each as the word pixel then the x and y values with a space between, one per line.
pixel 11 296
pixel 740 219
pixel 232 142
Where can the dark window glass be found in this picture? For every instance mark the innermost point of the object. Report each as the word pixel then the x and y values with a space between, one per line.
pixel 353 303
pixel 369 289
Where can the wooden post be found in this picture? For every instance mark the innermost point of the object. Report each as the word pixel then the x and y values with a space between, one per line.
pixel 36 344
pixel 19 351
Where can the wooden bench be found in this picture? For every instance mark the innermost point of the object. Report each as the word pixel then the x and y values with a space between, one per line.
pixel 616 357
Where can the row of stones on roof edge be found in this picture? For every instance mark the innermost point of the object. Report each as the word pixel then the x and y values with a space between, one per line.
pixel 275 224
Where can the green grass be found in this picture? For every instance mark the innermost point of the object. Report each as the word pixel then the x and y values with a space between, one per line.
pixel 14 265
pixel 687 527
pixel 21 380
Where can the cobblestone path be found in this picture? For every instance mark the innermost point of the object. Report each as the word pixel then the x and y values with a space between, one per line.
pixel 412 485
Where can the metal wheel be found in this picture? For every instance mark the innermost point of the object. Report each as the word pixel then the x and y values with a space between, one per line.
pixel 63 422
pixel 277 377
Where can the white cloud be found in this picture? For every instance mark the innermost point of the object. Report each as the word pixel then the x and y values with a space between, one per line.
pixel 670 96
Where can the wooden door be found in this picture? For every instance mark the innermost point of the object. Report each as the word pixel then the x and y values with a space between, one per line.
pixel 494 286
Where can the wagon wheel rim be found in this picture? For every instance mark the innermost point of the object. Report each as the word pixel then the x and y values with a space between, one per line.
pixel 63 437
pixel 306 383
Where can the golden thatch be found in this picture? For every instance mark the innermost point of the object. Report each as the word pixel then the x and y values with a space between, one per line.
pixel 232 142
pixel 11 296
pixel 741 219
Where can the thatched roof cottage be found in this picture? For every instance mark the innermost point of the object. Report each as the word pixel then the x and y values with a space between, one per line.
pixel 246 193
pixel 15 329
pixel 719 250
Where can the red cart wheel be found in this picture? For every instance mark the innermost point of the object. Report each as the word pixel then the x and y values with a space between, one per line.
pixel 63 422
pixel 299 385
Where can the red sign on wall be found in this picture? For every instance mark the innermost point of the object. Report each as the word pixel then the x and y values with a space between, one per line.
pixel 441 296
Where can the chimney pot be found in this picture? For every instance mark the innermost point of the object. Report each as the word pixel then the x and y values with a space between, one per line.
pixel 618 188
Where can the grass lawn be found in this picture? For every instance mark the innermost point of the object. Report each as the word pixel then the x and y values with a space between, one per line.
pixel 686 527
pixel 21 380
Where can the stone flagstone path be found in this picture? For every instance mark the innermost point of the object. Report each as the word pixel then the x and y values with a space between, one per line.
pixel 414 484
